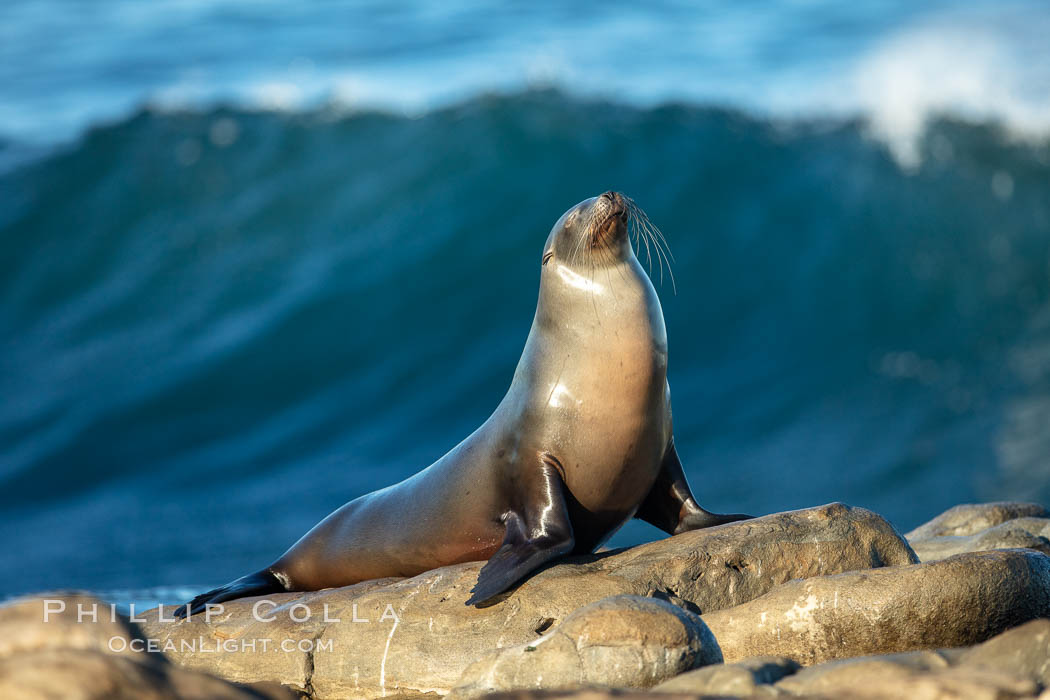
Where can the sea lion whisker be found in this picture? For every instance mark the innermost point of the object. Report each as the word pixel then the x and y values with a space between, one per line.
pixel 638 219
pixel 632 234
pixel 576 251
pixel 656 246
pixel 670 272
pixel 651 231
pixel 644 220
pixel 590 287
pixel 638 235
pixel 668 258
pixel 583 245
pixel 660 236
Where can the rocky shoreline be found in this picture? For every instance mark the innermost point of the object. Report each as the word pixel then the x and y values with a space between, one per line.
pixel 827 601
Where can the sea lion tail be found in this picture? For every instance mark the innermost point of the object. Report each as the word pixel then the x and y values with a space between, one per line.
pixel 259 583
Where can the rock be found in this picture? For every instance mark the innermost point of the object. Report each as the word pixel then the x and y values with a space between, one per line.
pixel 1022 532
pixel 418 636
pixel 82 674
pixel 724 566
pixel 624 641
pixel 748 677
pixel 958 601
pixel 1022 652
pixel 63 621
pixel 969 519
pixel 589 694
pixel 836 675
pixel 943 685
pixel 75 646
pixel 904 677
pixel 1014 664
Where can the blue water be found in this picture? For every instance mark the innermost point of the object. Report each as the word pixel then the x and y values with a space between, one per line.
pixel 232 299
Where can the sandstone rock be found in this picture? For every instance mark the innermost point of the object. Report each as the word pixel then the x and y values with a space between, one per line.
pixel 418 636
pixel 958 601
pixel 724 566
pixel 79 674
pixel 749 677
pixel 75 646
pixel 955 686
pixel 63 621
pixel 623 641
pixel 1023 652
pixel 840 674
pixel 1013 664
pixel 969 519
pixel 882 677
pixel 589 694
pixel 1005 667
pixel 1033 533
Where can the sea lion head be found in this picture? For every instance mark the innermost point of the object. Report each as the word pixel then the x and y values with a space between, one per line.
pixel 598 232
pixel 592 233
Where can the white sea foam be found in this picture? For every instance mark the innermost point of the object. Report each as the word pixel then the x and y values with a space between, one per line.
pixel 978 68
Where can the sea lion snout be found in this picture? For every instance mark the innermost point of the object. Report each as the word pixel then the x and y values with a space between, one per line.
pixel 610 206
pixel 609 215
pixel 613 204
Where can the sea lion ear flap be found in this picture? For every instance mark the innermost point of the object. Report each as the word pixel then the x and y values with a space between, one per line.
pixel 536 533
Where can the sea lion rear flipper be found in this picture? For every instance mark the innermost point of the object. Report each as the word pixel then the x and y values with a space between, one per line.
pixel 538 531
pixel 670 505
pixel 258 583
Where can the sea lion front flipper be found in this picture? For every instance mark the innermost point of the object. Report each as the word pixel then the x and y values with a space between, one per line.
pixel 537 531
pixel 670 505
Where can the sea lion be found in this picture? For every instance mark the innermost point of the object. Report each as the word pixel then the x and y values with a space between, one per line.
pixel 581 442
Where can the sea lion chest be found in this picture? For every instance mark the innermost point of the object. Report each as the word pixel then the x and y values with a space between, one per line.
pixel 592 386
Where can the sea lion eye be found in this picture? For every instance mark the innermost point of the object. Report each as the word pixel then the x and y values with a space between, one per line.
pixel 547 256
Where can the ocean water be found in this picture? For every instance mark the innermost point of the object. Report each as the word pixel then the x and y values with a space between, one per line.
pixel 258 259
